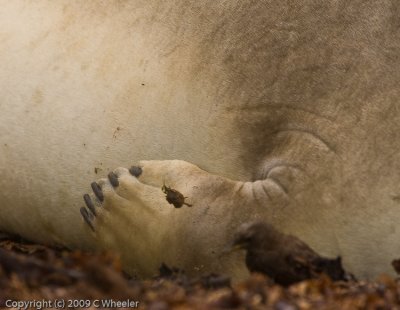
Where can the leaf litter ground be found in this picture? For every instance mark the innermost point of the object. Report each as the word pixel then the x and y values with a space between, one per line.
pixel 32 272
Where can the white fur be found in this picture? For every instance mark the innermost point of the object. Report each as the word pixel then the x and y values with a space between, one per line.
pixel 276 127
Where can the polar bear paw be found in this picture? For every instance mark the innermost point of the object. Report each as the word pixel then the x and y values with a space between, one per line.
pixel 127 216
pixel 119 195
pixel 164 211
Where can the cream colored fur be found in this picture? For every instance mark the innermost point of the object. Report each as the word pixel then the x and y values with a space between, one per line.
pixel 289 112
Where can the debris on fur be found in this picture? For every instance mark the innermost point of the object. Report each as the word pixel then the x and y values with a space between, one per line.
pixel 174 197
pixel 35 272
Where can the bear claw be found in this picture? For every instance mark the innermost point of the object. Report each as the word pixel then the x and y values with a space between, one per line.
pixel 89 204
pixel 86 216
pixel 135 171
pixel 113 178
pixel 97 191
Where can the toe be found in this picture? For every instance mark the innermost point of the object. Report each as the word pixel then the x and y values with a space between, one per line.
pixel 160 172
pixel 120 172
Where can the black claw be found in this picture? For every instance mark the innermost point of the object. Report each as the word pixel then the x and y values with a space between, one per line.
pixel 89 204
pixel 135 171
pixel 113 179
pixel 86 217
pixel 97 191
